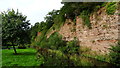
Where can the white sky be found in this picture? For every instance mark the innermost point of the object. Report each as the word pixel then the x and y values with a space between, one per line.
pixel 35 10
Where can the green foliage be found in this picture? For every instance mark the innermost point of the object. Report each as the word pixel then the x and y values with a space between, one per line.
pixel 85 17
pixel 71 10
pixel 84 49
pixel 99 57
pixel 104 4
pixel 76 60
pixel 15 28
pixel 115 54
pixel 97 7
pixel 58 21
pixel 43 42
pixel 39 27
pixel 34 29
pixel 86 52
pixel 59 18
pixel 111 8
pixel 56 51
pixel 44 26
pixel 100 5
pixel 74 21
pixel 72 47
pixel 57 43
pixel 68 10
pixel 58 58
pixel 55 58
pixel 56 18
pixel 0 30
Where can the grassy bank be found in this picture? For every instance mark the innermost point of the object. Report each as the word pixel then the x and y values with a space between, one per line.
pixel 25 57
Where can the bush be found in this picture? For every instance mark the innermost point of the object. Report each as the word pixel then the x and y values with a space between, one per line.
pixel 55 41
pixel 58 21
pixel 56 52
pixel 84 49
pixel 54 58
pixel 72 47
pixel 85 16
pixel 74 21
pixel 115 54
pixel 76 59
pixel 41 40
pixel 111 7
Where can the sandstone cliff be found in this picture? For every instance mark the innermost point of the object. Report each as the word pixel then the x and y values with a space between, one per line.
pixel 104 31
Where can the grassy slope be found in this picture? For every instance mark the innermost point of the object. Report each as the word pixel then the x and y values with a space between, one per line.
pixel 26 57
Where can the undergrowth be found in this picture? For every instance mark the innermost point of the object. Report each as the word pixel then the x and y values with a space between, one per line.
pixel 111 8
pixel 85 16
pixel 115 54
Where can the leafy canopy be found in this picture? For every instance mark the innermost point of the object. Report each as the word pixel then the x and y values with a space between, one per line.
pixel 15 28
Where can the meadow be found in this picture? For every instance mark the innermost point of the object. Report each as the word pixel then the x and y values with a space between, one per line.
pixel 25 57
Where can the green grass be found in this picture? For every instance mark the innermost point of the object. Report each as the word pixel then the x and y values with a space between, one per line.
pixel 25 57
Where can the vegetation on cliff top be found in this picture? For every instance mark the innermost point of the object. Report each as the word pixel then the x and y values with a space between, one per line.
pixel 70 10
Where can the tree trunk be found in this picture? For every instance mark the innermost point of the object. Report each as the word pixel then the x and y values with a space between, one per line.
pixel 7 47
pixel 14 49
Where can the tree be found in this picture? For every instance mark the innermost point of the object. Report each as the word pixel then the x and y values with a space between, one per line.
pixel 0 29
pixel 34 29
pixel 49 19
pixel 43 26
pixel 15 28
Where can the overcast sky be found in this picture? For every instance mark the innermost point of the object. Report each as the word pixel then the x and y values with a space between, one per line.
pixel 35 10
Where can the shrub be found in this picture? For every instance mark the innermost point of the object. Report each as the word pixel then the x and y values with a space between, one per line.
pixel 59 18
pixel 74 21
pixel 72 47
pixel 55 41
pixel 41 41
pixel 85 16
pixel 115 54
pixel 76 59
pixel 55 58
pixel 56 52
pixel 111 7
pixel 84 49
pixel 58 21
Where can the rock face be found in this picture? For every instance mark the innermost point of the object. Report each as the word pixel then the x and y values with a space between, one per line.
pixel 104 31
pixel 68 30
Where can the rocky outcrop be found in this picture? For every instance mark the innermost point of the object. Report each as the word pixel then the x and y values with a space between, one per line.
pixel 68 30
pixel 104 31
